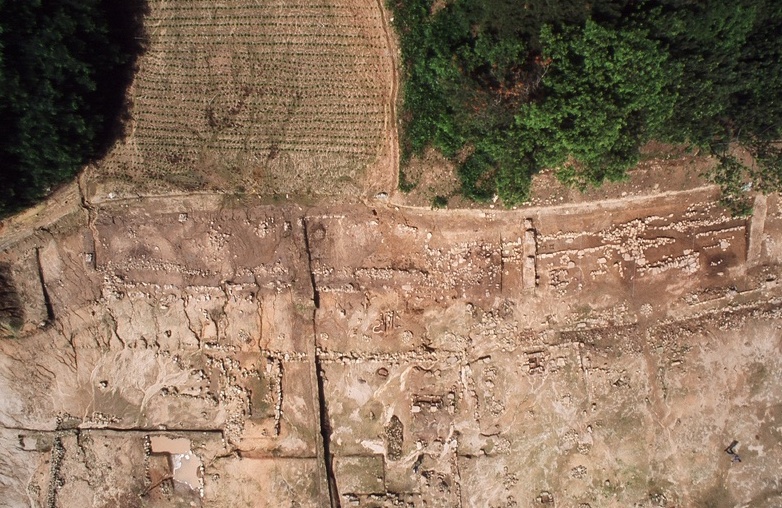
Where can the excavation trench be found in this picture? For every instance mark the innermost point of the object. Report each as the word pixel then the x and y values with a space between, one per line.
pixel 323 414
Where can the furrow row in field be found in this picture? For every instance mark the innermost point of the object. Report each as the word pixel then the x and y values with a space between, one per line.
pixel 261 91
pixel 165 121
pixel 241 135
pixel 191 5
pixel 350 139
pixel 324 49
pixel 337 105
pixel 263 98
pixel 350 30
pixel 346 21
pixel 199 73
pixel 266 83
pixel 282 146
pixel 262 88
pixel 187 62
pixel 353 34
pixel 186 132
pixel 333 143
pixel 313 88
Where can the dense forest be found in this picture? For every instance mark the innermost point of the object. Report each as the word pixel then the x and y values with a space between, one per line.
pixel 64 69
pixel 505 88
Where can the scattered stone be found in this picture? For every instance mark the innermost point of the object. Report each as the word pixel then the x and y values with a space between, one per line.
pixel 394 438
pixel 579 471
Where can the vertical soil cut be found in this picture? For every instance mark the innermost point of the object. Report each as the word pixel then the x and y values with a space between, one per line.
pixel 46 299
pixel 325 431
pixel 325 426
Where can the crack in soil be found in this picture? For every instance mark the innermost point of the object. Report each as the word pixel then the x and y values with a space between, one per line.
pixel 308 251
pixel 325 431
pixel 46 298
pixel 325 426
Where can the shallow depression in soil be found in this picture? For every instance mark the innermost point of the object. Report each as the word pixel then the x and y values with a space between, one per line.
pixel 184 463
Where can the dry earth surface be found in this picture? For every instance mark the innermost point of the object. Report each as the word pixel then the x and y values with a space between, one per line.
pixel 184 351
pixel 339 349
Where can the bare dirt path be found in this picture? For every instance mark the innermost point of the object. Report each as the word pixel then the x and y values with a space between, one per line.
pixel 63 202
pixel 708 192
pixel 383 177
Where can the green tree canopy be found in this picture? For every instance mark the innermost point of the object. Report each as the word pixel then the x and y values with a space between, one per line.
pixel 64 67
pixel 506 88
pixel 606 92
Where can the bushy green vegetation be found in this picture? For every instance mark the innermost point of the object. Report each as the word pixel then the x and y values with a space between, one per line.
pixel 64 68
pixel 505 88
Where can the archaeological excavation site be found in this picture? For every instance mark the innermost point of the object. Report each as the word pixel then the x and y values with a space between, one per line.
pixel 179 351
pixel 238 307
